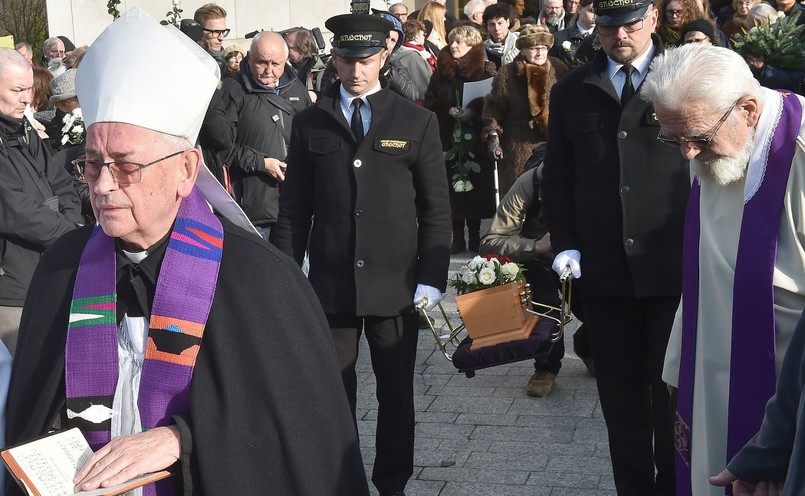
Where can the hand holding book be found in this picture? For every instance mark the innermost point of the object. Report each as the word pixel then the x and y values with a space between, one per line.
pixel 126 457
pixel 61 463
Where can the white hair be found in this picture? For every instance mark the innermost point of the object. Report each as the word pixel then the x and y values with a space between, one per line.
pixel 177 142
pixel 50 42
pixel 473 7
pixel 262 34
pixel 761 12
pixel 696 73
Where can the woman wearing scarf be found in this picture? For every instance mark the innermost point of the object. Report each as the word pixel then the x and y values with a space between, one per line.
pixel 673 15
pixel 469 171
pixel 415 38
pixel 517 107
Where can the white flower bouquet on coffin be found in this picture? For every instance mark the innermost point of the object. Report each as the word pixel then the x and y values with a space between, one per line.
pixel 494 301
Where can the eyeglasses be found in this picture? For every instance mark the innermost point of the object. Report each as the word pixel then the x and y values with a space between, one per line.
pixel 673 13
pixel 628 28
pixel 696 40
pixel 700 141
pixel 122 172
pixel 539 48
pixel 217 33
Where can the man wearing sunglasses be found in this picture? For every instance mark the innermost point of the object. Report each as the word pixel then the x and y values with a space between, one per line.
pixel 614 201
pixel 744 262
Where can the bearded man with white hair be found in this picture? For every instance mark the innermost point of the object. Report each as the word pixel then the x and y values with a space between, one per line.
pixel 744 250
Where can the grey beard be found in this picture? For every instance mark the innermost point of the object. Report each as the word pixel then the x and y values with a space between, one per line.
pixel 727 170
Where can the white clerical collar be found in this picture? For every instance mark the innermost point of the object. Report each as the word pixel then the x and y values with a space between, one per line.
pixel 641 64
pixel 764 132
pixel 135 256
pixel 347 97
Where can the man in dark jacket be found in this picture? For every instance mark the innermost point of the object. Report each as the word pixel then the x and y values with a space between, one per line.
pixel 37 200
pixel 614 201
pixel 568 40
pixel 265 96
pixel 367 164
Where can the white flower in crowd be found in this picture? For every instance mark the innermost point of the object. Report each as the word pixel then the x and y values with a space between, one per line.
pixel 476 262
pixel 510 270
pixel 486 276
pixel 567 46
pixel 468 186
pixel 780 15
pixel 458 186
pixel 73 129
pixel 754 30
pixel 492 264
pixel 469 278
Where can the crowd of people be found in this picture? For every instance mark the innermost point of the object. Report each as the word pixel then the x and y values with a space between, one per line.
pixel 368 166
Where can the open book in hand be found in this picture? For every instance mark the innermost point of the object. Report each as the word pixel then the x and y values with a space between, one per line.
pixel 46 466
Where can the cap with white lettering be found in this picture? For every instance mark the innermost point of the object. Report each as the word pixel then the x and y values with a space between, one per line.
pixel 357 35
pixel 619 12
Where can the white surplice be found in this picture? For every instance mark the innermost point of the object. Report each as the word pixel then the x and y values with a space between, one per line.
pixel 720 215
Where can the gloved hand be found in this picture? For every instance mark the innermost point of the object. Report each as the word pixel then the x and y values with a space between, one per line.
pixel 493 146
pixel 568 258
pixel 461 114
pixel 433 296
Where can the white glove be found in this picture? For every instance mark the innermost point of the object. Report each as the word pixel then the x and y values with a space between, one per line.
pixel 568 258
pixel 429 293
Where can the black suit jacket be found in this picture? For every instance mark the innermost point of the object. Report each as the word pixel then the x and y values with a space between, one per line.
pixel 611 190
pixel 377 213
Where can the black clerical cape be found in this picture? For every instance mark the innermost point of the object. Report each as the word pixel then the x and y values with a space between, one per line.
pixel 268 413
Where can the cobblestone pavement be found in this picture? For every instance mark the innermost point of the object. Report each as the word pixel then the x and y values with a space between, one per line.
pixel 485 436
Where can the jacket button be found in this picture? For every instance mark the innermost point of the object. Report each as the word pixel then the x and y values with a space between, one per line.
pixel 358 212
pixel 629 242
pixel 359 264
pixel 622 134
pixel 624 189
pixel 357 163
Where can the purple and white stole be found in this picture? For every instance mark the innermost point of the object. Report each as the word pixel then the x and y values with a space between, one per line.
pixel 182 301
pixel 752 359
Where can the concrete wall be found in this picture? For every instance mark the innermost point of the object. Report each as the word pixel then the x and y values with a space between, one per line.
pixel 83 20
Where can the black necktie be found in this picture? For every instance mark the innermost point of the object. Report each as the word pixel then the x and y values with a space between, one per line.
pixel 628 86
pixel 357 120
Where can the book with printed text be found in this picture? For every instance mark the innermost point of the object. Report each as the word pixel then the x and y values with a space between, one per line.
pixel 47 465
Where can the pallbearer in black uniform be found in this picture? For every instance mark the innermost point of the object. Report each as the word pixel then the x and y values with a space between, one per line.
pixel 367 165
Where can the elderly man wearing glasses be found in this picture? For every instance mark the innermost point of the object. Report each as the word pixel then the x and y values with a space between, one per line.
pixel 744 257
pixel 614 201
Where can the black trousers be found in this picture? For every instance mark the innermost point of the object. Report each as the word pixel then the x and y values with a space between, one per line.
pixel 392 345
pixel 546 288
pixel 629 337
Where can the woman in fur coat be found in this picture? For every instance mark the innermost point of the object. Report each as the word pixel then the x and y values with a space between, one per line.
pixel 470 172
pixel 517 107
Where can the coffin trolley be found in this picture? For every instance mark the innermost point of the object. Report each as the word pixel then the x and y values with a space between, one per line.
pixel 500 325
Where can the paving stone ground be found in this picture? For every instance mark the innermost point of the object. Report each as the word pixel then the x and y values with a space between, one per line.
pixel 485 436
